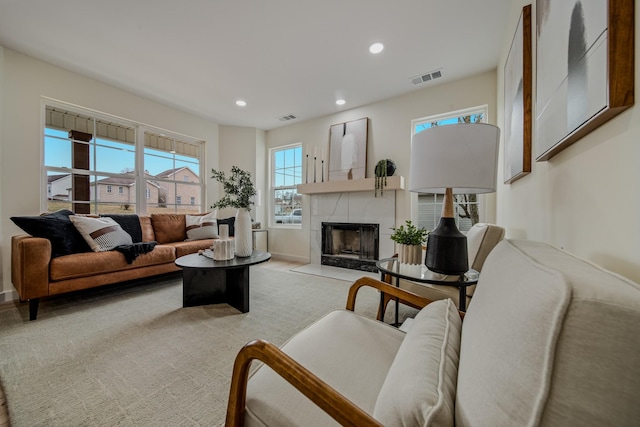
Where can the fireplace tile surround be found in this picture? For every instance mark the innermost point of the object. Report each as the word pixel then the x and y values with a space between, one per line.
pixel 353 207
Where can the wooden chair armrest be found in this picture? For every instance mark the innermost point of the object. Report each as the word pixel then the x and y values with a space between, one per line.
pixel 328 399
pixel 404 296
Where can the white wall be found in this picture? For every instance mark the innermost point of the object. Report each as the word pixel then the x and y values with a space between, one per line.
pixel 389 138
pixel 586 198
pixel 243 147
pixel 24 81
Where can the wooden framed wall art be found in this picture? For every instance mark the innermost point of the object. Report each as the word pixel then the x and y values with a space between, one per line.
pixel 348 150
pixel 584 68
pixel 517 102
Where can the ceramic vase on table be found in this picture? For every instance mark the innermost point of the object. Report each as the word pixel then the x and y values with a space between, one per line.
pixel 243 237
pixel 409 254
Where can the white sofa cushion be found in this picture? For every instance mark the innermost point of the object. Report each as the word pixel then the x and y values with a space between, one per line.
pixel 349 352
pixel 420 387
pixel 550 339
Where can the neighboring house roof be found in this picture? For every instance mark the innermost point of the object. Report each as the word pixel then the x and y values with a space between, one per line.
pixel 53 178
pixel 166 174
pixel 116 180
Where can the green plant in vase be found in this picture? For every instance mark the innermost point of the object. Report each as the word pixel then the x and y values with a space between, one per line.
pixel 409 239
pixel 238 191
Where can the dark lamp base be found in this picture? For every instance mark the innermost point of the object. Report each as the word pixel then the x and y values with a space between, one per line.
pixel 447 249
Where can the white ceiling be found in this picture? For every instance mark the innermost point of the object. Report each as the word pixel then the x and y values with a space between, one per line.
pixel 280 56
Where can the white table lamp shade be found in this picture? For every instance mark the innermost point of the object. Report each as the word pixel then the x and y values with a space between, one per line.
pixel 462 157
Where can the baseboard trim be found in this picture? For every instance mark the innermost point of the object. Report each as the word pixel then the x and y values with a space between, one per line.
pixel 287 257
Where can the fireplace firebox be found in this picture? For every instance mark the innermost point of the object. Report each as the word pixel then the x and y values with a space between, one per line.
pixel 350 245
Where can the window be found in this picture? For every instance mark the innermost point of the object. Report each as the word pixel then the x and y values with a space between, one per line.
pixel 467 206
pixel 87 153
pixel 176 170
pixel 286 174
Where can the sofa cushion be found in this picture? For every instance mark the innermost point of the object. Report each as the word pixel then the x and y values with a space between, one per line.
pixel 169 228
pixel 544 340
pixel 147 229
pixel 93 263
pixel 420 387
pixel 200 227
pixel 360 352
pixel 57 228
pixel 191 246
pixel 102 234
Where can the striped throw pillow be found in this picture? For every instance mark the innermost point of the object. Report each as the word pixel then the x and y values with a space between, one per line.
pixel 102 234
pixel 201 227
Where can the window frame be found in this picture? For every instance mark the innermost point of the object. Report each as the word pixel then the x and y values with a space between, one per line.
pixel 273 188
pixel 481 198
pixel 141 180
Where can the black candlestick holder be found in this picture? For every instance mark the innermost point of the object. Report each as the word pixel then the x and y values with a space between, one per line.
pixel 322 170
pixel 314 169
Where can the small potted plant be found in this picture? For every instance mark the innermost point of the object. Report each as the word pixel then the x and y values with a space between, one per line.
pixel 409 239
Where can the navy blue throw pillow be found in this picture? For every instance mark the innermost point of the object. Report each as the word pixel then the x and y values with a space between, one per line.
pixel 57 227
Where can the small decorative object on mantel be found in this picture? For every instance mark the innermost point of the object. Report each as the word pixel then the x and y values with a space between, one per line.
pixel 384 168
pixel 409 240
pixel 238 190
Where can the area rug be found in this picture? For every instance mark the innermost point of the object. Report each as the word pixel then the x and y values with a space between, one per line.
pixel 131 355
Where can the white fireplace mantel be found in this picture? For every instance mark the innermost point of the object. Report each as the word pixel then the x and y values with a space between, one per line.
pixel 366 184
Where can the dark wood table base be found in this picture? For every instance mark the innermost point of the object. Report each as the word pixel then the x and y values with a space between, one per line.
pixel 231 286
pixel 206 281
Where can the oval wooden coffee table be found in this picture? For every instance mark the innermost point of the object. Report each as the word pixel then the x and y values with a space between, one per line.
pixel 206 281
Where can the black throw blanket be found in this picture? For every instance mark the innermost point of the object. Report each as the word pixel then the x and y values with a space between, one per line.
pixel 131 252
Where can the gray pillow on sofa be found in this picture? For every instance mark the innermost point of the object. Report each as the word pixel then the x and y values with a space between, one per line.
pixel 420 387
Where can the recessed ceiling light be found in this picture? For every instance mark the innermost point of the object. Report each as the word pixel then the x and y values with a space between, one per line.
pixel 376 48
pixel 241 103
pixel 341 102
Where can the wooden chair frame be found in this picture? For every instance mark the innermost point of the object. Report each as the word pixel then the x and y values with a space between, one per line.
pixel 328 399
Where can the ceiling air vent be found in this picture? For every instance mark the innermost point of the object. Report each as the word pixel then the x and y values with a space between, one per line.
pixel 427 77
pixel 287 117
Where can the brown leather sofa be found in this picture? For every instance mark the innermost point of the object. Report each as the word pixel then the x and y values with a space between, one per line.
pixel 35 274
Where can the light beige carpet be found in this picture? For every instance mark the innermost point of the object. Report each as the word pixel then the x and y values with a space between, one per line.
pixel 131 355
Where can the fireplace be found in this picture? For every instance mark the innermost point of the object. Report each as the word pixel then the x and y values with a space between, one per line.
pixel 350 245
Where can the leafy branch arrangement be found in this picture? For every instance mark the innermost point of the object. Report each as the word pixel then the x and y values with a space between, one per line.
pixel 238 188
pixel 409 235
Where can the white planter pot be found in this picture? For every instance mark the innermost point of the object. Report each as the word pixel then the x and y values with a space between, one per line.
pixel 242 236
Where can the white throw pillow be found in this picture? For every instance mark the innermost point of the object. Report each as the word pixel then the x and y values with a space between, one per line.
pixel 102 234
pixel 201 227
pixel 420 387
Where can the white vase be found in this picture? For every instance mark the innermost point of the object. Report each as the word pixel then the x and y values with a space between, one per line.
pixel 242 235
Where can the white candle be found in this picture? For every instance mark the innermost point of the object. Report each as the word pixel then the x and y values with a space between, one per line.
pixel 315 152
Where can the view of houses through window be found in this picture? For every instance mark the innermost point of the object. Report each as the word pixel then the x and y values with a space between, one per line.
pixel 467 206
pixel 90 165
pixel 286 166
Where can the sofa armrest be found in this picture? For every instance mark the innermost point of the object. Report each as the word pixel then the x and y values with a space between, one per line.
pixel 30 257
pixel 328 399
